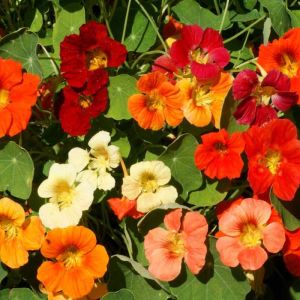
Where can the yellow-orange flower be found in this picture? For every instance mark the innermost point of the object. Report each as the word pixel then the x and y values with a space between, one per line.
pixel 76 261
pixel 159 102
pixel 203 102
pixel 17 235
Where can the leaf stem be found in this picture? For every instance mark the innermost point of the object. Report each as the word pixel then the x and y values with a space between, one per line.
pixel 145 54
pixel 224 16
pixel 217 6
pixel 126 21
pixel 53 64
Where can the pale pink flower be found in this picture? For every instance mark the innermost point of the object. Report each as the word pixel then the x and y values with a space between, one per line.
pixel 248 231
pixel 165 249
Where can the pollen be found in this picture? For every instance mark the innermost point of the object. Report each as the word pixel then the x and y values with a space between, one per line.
pixel 155 101
pixel 97 59
pixel 176 244
pixel 199 56
pixel 201 95
pixel 272 161
pixel 11 231
pixel 149 182
pixel 251 235
pixel 64 194
pixel 4 99
pixel 71 257
pixel 289 66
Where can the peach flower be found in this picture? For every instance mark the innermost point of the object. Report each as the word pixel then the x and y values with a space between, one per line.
pixel 165 249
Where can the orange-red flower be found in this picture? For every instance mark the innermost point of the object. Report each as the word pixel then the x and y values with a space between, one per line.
pixel 159 103
pixel 283 55
pixel 76 261
pixel 17 234
pixel 219 154
pixel 18 93
pixel 274 158
pixel 203 102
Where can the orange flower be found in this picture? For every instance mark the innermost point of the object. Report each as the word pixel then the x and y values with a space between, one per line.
pixel 76 261
pixel 18 93
pixel 160 102
pixel 17 235
pixel 203 102
pixel 283 55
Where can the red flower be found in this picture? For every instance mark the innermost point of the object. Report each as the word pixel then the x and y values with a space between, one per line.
pixel 91 50
pixel 122 207
pixel 291 251
pixel 82 105
pixel 274 158
pixel 255 107
pixel 219 155
pixel 165 65
pixel 202 50
pixel 172 28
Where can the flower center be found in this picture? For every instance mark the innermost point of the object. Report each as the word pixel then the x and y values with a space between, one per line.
pixel 11 231
pixel 176 244
pixel 272 161
pixel 71 257
pixel 85 101
pixel 4 100
pixel 148 182
pixel 97 59
pixel 199 56
pixel 201 95
pixel 154 101
pixel 101 160
pixel 220 147
pixel 251 235
pixel 289 66
pixel 64 194
pixel 263 94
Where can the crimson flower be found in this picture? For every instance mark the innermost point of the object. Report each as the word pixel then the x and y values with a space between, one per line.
pixel 202 50
pixel 259 101
pixel 82 105
pixel 91 50
pixel 273 153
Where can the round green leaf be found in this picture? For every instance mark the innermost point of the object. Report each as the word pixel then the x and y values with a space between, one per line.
pixel 16 170
pixel 122 294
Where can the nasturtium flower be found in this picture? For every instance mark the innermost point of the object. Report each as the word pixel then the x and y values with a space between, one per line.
pixel 18 234
pixel 273 153
pixel 171 30
pixel 91 50
pixel 67 198
pixel 183 239
pixel 80 106
pixel 260 98
pixel 219 155
pixel 75 261
pixel 165 65
pixel 147 184
pixel 247 233
pixel 283 55
pixel 200 50
pixel 100 161
pixel 18 93
pixel 203 102
pixel 159 103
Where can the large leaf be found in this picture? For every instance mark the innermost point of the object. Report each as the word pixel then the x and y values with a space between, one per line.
pixel 69 19
pixel 190 12
pixel 21 46
pixel 179 157
pixel 16 170
pixel 142 35
pixel 119 90
pixel 19 294
pixel 295 17
pixel 123 274
pixel 215 281
pixel 279 15
pixel 122 294
pixel 288 210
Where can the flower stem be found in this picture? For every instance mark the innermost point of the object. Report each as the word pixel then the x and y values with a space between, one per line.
pixel 224 16
pixel 124 169
pixel 145 54
pixel 126 21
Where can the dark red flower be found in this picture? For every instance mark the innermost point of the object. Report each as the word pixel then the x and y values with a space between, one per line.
pixel 165 65
pixel 202 50
pixel 259 101
pixel 219 155
pixel 172 28
pixel 82 105
pixel 91 50
pixel 274 158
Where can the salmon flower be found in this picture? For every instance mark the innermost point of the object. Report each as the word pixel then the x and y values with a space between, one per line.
pixel 219 155
pixel 17 234
pixel 18 93
pixel 283 55
pixel 147 185
pixel 203 102
pixel 261 97
pixel 273 153
pixel 247 233
pixel 91 50
pixel 200 50
pixel 181 240
pixel 75 261
pixel 160 102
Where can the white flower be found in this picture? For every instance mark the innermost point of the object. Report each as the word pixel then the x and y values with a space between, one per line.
pixel 146 183
pixel 78 158
pixel 67 199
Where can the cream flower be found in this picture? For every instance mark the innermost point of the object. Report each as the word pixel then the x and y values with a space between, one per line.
pixel 67 199
pixel 146 183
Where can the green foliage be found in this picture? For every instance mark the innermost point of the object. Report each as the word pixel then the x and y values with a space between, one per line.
pixel 19 294
pixel 122 294
pixel 16 170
